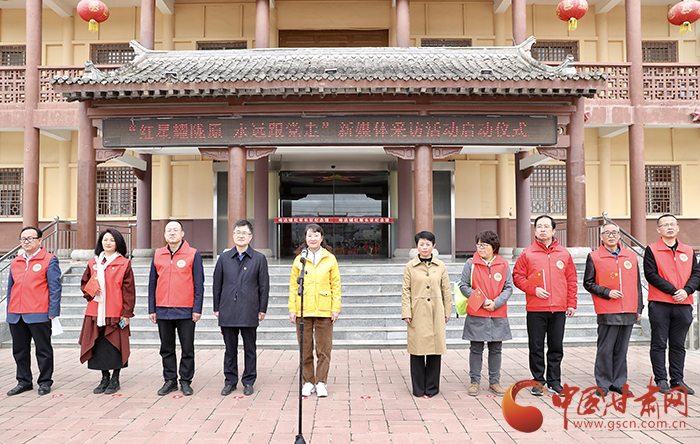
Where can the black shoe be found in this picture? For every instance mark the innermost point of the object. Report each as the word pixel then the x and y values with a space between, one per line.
pixel 44 389
pixel 102 386
pixel 19 389
pixel 169 386
pixel 537 390
pixel 113 386
pixel 556 387
pixel 227 390
pixel 601 391
pixel 619 390
pixel 674 385
pixel 663 387
pixel 248 389
pixel 186 388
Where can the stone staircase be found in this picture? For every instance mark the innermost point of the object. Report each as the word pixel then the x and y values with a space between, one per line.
pixel 370 316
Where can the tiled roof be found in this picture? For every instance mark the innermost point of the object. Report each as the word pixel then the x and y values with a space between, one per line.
pixel 303 71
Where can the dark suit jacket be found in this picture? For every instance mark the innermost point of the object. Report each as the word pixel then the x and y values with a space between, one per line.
pixel 241 288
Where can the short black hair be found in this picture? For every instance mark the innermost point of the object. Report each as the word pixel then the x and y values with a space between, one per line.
pixel 427 235
pixel 554 223
pixel 657 220
pixel 118 239
pixel 182 227
pixel 491 238
pixel 243 223
pixel 39 233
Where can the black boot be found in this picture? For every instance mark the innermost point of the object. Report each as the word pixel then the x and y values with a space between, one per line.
pixel 113 386
pixel 103 383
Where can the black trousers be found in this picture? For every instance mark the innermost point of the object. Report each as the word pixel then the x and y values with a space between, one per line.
pixel 185 331
pixel 611 356
pixel 425 374
pixel 22 335
pixel 669 324
pixel 250 372
pixel 551 325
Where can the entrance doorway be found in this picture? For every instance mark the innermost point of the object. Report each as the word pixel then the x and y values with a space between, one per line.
pixel 352 207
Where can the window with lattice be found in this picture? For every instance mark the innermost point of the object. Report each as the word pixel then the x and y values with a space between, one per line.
pixel 554 51
pixel 11 180
pixel 446 43
pixel 111 53
pixel 211 46
pixel 662 189
pixel 659 52
pixel 548 189
pixel 116 191
pixel 13 55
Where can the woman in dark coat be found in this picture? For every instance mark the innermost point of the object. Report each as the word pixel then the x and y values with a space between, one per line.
pixel 108 285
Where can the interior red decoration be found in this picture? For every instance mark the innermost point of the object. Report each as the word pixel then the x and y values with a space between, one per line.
pixel 571 11
pixel 684 13
pixel 94 12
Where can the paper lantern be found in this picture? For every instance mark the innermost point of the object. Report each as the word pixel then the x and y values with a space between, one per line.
pixel 683 14
pixel 94 12
pixel 571 11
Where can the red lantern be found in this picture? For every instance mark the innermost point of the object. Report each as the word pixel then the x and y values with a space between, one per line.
pixel 683 14
pixel 93 11
pixel 572 11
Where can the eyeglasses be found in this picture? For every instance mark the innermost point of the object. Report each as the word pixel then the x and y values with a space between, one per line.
pixel 669 225
pixel 28 239
pixel 543 226
pixel 482 246
pixel 610 233
pixel 241 233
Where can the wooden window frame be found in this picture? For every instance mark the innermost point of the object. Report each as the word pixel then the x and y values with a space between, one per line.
pixel 555 50
pixel 222 45
pixel 446 43
pixel 116 192
pixel 548 189
pixel 111 53
pixel 11 192
pixel 13 55
pixel 662 189
pixel 659 51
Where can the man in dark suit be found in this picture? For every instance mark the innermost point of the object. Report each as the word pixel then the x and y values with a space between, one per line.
pixel 241 291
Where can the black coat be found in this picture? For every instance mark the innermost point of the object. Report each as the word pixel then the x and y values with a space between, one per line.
pixel 241 288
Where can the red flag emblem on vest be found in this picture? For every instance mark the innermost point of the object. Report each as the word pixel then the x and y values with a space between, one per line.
pixel 610 279
pixel 536 279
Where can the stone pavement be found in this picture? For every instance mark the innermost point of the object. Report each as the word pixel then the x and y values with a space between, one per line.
pixel 369 402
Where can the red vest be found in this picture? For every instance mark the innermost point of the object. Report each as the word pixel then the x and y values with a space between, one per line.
pixel 30 289
pixel 175 284
pixel 626 264
pixel 491 282
pixel 554 261
pixel 114 276
pixel 674 268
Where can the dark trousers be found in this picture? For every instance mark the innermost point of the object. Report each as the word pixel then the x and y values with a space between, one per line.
pixel 425 374
pixel 185 331
pixel 22 335
pixel 250 373
pixel 669 324
pixel 611 357
pixel 551 325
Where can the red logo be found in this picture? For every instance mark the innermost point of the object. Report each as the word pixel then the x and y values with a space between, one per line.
pixel 522 418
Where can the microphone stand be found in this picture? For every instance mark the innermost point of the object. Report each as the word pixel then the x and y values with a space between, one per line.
pixel 300 280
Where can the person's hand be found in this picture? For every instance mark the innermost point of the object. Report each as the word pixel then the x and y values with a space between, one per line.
pixel 408 320
pixel 293 318
pixel 570 311
pixel 126 321
pixel 447 319
pixel 489 305
pixel 216 313
pixel 639 317
pixel 680 295
pixel 152 317
pixel 52 317
pixel 615 294
pixel 261 316
pixel 541 293
pixel 196 316
pixel 334 317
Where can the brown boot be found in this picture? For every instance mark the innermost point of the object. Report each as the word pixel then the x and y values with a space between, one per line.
pixel 496 389
pixel 473 390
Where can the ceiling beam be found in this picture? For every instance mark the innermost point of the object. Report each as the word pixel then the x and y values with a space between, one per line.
pixel 59 7
pixel 500 6
pixel 607 132
pixel 166 6
pixel 606 5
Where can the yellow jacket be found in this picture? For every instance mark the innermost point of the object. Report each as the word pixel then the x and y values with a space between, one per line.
pixel 321 287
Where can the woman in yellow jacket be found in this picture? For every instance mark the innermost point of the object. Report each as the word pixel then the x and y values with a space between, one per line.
pixel 321 307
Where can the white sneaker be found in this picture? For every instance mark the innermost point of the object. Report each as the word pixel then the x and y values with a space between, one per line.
pixel 321 390
pixel 308 389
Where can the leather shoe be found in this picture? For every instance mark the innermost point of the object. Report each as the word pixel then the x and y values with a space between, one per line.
pixel 684 385
pixel 619 390
pixel 44 389
pixel 663 387
pixel 227 390
pixel 19 389
pixel 169 386
pixel 601 391
pixel 186 388
pixel 248 389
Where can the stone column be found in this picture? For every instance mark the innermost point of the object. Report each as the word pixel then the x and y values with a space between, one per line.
pixel 262 23
pixel 502 172
pixel 403 23
pixel 633 22
pixel 30 204
pixel 522 184
pixel 236 188
pixel 87 191
pixel 64 146
pixel 423 172
pixel 165 171
pixel 576 180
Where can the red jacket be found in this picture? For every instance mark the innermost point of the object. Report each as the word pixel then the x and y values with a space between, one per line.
pixel 626 265
pixel 175 284
pixel 491 281
pixel 30 292
pixel 560 278
pixel 676 269
pixel 114 277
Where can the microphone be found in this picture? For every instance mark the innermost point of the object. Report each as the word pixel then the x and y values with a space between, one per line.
pixel 304 255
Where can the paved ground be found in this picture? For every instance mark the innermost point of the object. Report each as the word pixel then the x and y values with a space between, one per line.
pixel 369 402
